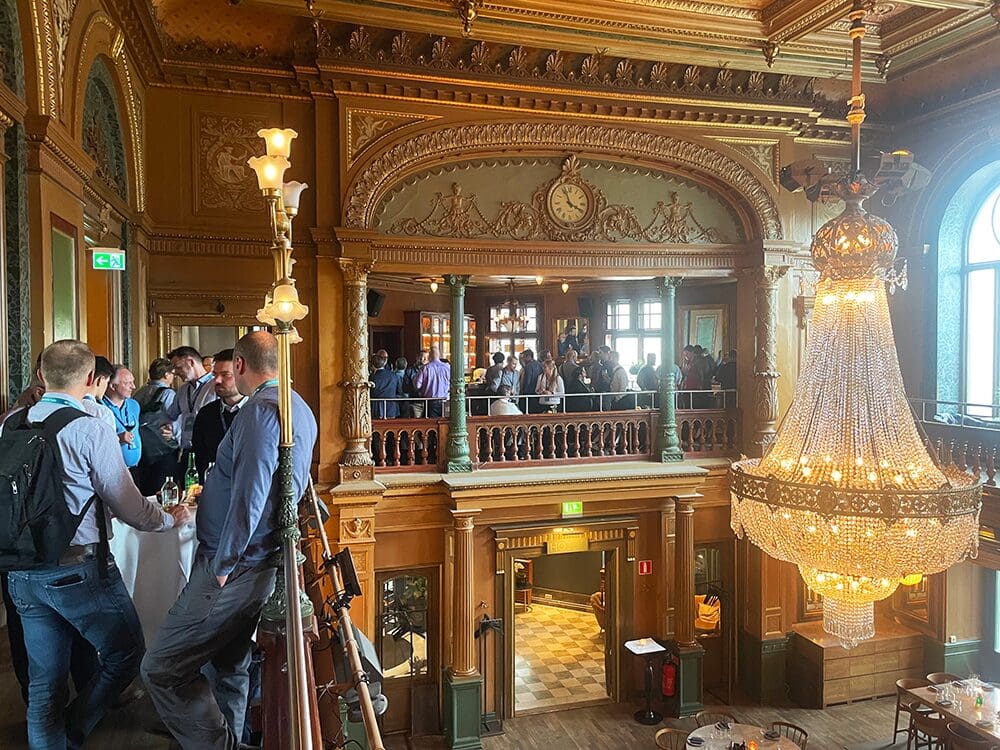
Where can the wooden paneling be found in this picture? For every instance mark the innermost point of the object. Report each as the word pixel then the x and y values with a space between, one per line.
pixel 822 673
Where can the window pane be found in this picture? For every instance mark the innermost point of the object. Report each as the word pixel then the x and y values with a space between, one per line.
pixel 628 350
pixel 532 324
pixel 649 316
pixel 64 302
pixel 984 236
pixel 619 315
pixel 980 332
pixel 651 345
pixel 520 344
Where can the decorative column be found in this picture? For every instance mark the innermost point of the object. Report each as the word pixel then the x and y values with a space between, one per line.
pixel 458 432
pixel 668 444
pixel 689 651
pixel 463 683
pixel 765 364
pixel 356 422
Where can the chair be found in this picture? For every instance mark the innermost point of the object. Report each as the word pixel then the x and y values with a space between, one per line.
pixel 671 739
pixel 905 702
pixel 798 735
pixel 711 718
pixel 960 738
pixel 929 730
pixel 940 678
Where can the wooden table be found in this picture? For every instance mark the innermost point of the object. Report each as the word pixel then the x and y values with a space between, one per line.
pixel 963 711
pixel 742 733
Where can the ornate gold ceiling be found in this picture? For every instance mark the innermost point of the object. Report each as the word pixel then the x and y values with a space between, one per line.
pixel 803 37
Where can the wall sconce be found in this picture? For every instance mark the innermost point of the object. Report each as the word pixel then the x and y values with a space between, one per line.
pixel 278 141
pixel 539 280
pixel 565 287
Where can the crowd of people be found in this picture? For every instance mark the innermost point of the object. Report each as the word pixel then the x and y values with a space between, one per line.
pixel 526 384
pixel 110 449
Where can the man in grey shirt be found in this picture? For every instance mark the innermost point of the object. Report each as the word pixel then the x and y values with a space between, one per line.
pixel 75 595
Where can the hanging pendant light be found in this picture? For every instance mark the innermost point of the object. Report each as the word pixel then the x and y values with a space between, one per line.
pixel 848 491
pixel 512 314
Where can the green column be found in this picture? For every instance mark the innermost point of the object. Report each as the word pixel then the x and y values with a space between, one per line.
pixel 458 431
pixel 668 445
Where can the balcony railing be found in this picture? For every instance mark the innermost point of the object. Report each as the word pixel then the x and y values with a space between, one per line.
pixel 560 437
pixel 962 434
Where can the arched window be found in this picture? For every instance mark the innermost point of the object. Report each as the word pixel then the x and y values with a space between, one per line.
pixel 981 329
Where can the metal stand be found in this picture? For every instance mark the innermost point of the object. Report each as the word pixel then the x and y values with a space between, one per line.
pixel 649 717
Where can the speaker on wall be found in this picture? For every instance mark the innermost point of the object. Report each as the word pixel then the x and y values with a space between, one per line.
pixel 585 306
pixel 375 302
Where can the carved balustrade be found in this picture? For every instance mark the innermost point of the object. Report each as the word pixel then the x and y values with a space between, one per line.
pixel 407 445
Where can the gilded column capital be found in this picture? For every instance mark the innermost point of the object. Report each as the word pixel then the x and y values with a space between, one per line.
pixel 766 277
pixel 456 281
pixel 356 270
pixel 673 282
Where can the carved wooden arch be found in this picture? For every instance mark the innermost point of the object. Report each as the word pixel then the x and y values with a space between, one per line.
pixel 34 18
pixel 434 144
pixel 101 37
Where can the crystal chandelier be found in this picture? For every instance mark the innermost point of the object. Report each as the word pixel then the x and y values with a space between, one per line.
pixel 511 314
pixel 847 491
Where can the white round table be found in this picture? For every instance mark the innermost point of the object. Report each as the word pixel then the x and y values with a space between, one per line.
pixel 741 733
pixel 155 566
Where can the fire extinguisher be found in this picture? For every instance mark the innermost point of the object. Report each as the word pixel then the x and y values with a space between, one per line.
pixel 669 686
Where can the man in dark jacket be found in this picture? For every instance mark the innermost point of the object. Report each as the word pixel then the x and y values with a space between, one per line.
pixel 387 386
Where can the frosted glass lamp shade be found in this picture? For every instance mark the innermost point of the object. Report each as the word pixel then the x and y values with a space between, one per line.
pixel 291 192
pixel 278 140
pixel 270 171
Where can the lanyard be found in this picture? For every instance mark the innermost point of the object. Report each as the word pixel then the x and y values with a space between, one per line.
pixel 118 411
pixel 266 384
pixel 49 399
pixel 192 394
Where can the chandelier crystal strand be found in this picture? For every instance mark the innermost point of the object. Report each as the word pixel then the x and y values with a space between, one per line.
pixel 847 490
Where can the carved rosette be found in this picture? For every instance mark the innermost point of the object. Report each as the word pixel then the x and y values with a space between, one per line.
pixel 356 413
pixel 766 373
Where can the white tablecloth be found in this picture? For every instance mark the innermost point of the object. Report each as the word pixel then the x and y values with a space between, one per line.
pixel 155 567
pixel 741 733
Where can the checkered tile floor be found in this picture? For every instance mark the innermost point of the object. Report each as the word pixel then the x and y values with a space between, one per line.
pixel 559 658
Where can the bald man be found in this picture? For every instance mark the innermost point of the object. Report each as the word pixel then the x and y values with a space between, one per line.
pixel 214 620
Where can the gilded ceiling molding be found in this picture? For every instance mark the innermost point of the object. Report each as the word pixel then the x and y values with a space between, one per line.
pixel 215 245
pixel 424 149
pixel 712 9
pixel 424 52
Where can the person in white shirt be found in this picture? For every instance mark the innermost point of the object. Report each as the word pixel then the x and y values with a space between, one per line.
pixel 503 406
pixel 550 386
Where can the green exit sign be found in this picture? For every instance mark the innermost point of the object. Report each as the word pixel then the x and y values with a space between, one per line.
pixel 109 260
pixel 572 509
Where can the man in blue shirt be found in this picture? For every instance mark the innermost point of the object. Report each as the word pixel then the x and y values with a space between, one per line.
pixel 75 595
pixel 125 409
pixel 216 615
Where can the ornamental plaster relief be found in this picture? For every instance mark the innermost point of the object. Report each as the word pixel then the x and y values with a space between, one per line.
pixel 224 181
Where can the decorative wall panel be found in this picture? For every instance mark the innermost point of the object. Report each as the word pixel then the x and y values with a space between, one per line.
pixel 102 130
pixel 18 310
pixel 366 126
pixel 224 181
pixel 11 51
pixel 558 200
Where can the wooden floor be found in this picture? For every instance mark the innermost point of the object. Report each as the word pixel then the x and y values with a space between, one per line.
pixel 861 726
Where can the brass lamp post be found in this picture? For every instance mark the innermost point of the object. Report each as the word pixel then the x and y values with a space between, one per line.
pixel 280 311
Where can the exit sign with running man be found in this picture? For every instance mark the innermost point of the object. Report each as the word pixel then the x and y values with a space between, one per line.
pixel 109 260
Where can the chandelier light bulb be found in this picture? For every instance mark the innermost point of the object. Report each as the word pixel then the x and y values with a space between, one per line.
pixel 434 287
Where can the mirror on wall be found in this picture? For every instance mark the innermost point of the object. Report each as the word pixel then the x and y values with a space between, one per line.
pixel 402 637
pixel 576 329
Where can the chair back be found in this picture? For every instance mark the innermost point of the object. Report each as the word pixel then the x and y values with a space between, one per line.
pixel 798 735
pixel 711 718
pixel 940 678
pixel 930 724
pixel 960 738
pixel 671 739
pixel 910 683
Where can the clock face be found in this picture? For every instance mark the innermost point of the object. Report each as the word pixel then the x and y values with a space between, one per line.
pixel 569 203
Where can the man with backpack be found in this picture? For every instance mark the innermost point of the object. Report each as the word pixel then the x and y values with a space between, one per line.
pixel 159 454
pixel 67 475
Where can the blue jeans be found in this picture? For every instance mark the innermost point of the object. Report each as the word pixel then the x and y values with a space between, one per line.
pixel 55 604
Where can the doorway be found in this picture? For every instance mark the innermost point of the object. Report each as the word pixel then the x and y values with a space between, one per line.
pixel 407 643
pixel 560 639
pixel 562 589
pixel 715 616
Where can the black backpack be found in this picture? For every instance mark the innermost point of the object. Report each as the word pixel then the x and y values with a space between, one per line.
pixel 36 525
pixel 150 418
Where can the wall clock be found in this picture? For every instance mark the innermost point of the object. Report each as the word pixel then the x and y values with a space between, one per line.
pixel 570 204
